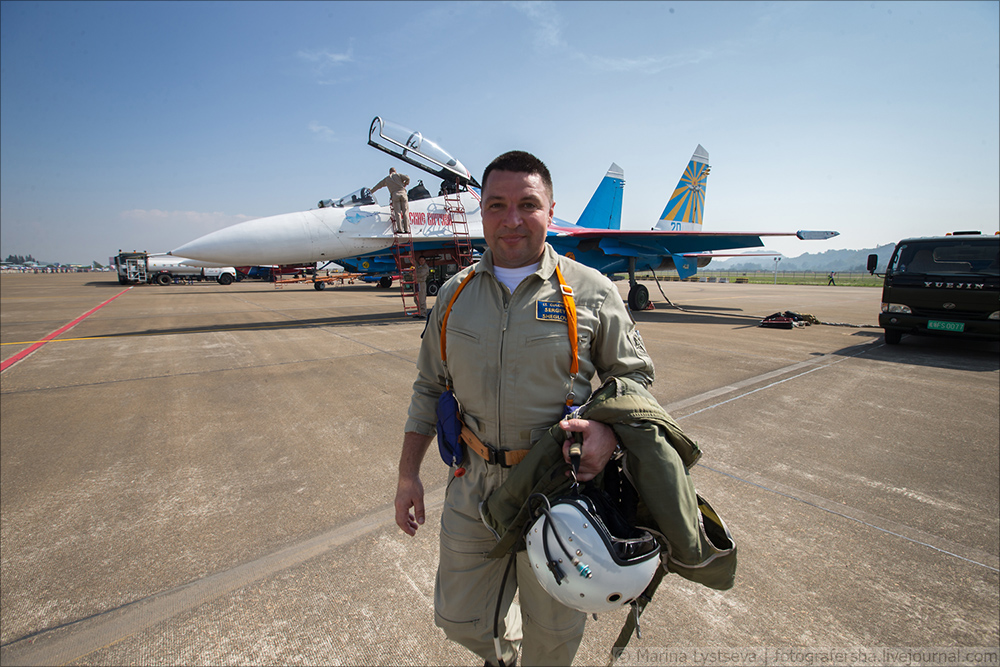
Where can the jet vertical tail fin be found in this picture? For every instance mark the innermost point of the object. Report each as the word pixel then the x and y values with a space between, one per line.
pixel 686 207
pixel 604 211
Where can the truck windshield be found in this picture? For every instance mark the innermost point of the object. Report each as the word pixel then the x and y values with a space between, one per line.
pixel 946 258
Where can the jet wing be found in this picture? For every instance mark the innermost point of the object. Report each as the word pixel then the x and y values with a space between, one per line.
pixel 611 251
pixel 666 242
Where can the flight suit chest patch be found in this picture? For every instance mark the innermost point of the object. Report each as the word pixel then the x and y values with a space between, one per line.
pixel 553 311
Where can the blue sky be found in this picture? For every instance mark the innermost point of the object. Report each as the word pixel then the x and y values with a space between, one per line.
pixel 143 125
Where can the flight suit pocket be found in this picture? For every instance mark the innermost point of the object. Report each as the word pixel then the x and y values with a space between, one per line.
pixel 552 337
pixel 457 335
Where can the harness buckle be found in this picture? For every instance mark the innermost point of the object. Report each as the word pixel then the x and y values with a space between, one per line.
pixel 493 455
pixel 496 457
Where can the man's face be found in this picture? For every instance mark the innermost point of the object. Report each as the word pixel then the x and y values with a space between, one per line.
pixel 517 211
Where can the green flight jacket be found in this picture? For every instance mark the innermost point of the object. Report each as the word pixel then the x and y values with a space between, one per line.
pixel 696 543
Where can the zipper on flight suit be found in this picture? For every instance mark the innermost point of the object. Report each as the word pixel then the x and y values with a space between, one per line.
pixel 507 303
pixel 506 298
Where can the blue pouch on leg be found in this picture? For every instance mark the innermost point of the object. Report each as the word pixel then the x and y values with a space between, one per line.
pixel 449 429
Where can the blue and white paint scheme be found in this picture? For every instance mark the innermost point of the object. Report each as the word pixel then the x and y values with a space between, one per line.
pixel 686 208
pixel 676 241
pixel 357 226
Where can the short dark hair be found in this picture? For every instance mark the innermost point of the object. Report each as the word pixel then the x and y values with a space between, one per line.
pixel 521 162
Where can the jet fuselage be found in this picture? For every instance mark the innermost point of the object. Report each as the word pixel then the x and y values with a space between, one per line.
pixel 329 234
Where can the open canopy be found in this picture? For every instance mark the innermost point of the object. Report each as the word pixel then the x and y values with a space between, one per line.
pixel 413 148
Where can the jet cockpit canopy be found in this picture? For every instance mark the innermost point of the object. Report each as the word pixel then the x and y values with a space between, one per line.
pixel 414 148
pixel 360 197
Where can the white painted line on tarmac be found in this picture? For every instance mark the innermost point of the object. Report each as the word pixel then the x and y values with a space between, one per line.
pixel 73 641
pixel 76 640
pixel 819 363
pixel 972 555
pixel 947 547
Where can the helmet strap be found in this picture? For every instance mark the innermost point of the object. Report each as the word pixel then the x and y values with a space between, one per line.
pixel 632 621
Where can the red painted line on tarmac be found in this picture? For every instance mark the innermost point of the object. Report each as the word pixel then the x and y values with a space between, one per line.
pixel 7 363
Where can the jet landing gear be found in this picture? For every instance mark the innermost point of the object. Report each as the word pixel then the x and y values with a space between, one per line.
pixel 638 295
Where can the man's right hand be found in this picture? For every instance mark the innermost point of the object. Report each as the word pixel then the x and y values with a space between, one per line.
pixel 409 489
pixel 409 494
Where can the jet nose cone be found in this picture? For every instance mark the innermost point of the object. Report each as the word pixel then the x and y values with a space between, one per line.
pixel 216 246
pixel 281 239
pixel 244 244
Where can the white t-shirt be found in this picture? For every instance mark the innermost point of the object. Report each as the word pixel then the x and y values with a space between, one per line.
pixel 513 277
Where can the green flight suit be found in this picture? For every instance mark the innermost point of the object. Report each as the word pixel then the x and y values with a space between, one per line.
pixel 508 358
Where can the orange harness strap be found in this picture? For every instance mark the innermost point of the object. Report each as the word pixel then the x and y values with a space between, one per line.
pixel 570 303
pixel 444 321
pixel 476 445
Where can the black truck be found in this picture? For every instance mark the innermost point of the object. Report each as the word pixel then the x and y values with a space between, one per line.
pixel 947 285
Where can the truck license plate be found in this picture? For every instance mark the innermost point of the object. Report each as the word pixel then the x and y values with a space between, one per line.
pixel 939 325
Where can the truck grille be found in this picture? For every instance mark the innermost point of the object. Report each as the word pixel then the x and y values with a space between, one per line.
pixel 945 314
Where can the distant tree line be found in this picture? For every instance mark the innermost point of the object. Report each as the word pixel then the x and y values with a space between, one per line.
pixel 846 261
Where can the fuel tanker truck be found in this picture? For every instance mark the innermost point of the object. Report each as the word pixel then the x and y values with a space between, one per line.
pixel 162 269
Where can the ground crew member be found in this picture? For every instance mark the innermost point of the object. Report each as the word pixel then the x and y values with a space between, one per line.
pixel 396 184
pixel 508 361
pixel 420 274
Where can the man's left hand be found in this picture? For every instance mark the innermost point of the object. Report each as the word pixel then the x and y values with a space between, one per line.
pixel 598 445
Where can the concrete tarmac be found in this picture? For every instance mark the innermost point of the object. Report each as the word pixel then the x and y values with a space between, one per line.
pixel 199 474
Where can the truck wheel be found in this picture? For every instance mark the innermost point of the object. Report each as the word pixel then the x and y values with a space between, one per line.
pixel 164 279
pixel 319 286
pixel 225 279
pixel 432 288
pixel 638 298
pixel 893 336
pixel 385 281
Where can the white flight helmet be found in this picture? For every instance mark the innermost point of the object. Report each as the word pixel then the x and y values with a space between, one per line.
pixel 582 563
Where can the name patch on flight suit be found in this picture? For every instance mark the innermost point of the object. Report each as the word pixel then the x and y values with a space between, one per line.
pixel 554 311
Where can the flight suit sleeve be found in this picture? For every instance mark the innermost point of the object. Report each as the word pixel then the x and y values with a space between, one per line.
pixel 431 380
pixel 618 350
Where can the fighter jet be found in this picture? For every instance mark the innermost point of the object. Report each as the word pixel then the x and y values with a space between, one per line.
pixel 354 225
pixel 677 240
pixel 357 226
